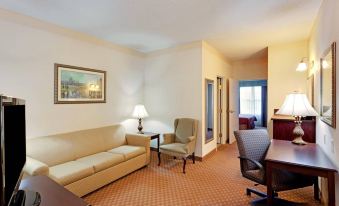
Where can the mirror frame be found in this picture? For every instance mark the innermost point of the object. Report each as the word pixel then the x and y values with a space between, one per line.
pixel 333 90
pixel 209 81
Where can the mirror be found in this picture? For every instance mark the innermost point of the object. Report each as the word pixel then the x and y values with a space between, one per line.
pixel 328 86
pixel 209 111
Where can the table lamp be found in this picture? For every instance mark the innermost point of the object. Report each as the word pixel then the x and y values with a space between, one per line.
pixel 140 113
pixel 297 105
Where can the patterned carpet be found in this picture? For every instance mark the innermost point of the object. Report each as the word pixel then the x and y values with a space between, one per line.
pixel 215 181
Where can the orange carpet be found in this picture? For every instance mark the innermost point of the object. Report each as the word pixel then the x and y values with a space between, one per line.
pixel 215 181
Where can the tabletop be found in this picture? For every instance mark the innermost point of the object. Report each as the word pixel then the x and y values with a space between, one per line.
pixel 310 155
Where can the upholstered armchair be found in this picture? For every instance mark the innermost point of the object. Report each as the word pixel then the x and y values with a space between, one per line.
pixel 253 145
pixel 182 142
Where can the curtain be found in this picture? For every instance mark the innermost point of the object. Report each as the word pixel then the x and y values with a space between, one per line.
pixel 264 105
pixel 251 102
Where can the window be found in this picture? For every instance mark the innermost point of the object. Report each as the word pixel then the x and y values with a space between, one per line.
pixel 251 102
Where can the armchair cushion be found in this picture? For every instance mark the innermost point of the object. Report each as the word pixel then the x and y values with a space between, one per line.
pixel 175 147
pixel 35 167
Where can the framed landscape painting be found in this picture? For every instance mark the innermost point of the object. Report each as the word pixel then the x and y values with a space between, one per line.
pixel 77 85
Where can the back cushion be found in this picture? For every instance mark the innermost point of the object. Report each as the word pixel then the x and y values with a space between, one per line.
pixel 56 149
pixel 113 136
pixel 51 150
pixel 86 142
pixel 184 129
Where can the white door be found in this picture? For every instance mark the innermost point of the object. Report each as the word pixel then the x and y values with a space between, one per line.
pixel 233 108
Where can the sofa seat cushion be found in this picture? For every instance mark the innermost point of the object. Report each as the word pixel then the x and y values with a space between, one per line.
pixel 69 172
pixel 102 160
pixel 128 151
pixel 175 147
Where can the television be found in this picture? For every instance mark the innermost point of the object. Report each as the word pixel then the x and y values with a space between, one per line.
pixel 13 151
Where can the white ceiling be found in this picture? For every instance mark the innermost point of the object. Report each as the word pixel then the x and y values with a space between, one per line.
pixel 238 28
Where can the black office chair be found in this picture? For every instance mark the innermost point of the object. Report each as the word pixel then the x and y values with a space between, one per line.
pixel 252 146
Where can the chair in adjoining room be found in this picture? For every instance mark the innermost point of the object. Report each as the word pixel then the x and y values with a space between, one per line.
pixel 252 146
pixel 182 142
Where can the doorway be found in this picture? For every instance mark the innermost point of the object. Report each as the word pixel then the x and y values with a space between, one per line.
pixel 253 104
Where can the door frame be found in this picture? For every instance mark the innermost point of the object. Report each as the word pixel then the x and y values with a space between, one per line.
pixel 228 109
pixel 221 108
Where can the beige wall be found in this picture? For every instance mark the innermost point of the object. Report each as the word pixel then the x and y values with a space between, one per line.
pixel 253 68
pixel 325 31
pixel 175 87
pixel 28 51
pixel 172 88
pixel 213 65
pixel 282 75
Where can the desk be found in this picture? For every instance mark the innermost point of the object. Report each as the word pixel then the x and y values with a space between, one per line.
pixel 308 159
pixel 52 194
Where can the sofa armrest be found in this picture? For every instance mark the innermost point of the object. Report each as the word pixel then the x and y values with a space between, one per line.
pixel 138 140
pixel 35 167
pixel 168 138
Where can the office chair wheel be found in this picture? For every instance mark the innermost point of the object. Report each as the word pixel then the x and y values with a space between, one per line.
pixel 248 192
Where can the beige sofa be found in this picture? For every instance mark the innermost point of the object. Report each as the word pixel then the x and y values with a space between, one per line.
pixel 86 160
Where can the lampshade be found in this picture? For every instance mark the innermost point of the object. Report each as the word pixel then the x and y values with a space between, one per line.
pixel 139 111
pixel 302 66
pixel 297 104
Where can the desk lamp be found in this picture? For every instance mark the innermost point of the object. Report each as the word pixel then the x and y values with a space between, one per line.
pixel 140 113
pixel 298 106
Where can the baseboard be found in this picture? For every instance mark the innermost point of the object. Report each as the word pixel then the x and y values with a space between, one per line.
pixel 200 159
pixel 212 152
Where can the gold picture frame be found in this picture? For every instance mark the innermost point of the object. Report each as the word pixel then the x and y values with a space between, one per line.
pixel 78 85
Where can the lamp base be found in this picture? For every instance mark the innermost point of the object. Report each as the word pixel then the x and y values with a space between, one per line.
pixel 299 141
pixel 298 133
pixel 140 127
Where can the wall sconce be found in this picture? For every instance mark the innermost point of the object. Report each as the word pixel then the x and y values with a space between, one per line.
pixel 302 66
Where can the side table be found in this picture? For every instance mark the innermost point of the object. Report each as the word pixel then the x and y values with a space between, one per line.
pixel 155 136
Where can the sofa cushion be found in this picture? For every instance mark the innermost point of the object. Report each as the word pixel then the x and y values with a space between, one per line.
pixel 69 172
pixel 86 142
pixel 175 147
pixel 113 136
pixel 51 150
pixel 102 160
pixel 128 151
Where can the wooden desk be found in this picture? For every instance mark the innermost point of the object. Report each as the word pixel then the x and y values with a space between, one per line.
pixel 52 194
pixel 308 159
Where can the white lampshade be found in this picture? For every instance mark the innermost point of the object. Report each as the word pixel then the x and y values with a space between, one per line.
pixel 297 104
pixel 302 66
pixel 139 111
